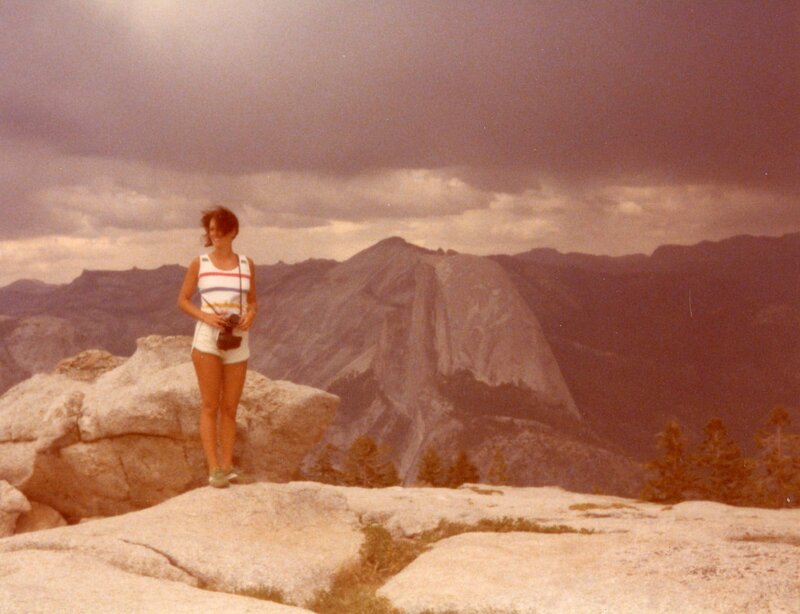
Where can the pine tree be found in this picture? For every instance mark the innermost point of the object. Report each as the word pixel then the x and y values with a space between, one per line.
pixel 673 476
pixel 498 470
pixel 431 470
pixel 324 469
pixel 780 467
pixel 367 464
pixel 723 474
pixel 462 471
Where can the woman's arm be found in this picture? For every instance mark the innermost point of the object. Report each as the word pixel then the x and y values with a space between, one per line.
pixel 252 300
pixel 185 298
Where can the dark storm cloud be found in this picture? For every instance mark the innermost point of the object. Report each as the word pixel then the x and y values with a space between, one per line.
pixel 42 192
pixel 682 91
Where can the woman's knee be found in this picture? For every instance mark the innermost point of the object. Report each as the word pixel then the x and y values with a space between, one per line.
pixel 209 410
pixel 228 410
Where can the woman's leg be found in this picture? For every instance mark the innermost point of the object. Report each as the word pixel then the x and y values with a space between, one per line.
pixel 209 377
pixel 233 376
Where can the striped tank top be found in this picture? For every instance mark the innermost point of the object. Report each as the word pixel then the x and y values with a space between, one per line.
pixel 220 287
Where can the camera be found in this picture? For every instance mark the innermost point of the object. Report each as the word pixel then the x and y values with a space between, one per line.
pixel 226 339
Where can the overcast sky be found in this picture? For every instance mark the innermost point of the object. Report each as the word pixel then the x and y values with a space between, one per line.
pixel 607 127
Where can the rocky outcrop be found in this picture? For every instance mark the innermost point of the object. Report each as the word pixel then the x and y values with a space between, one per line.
pixel 410 313
pixel 289 540
pixel 483 325
pixel 99 437
pixel 87 366
pixel 36 583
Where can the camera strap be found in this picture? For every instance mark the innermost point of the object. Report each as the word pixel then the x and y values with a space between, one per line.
pixel 241 296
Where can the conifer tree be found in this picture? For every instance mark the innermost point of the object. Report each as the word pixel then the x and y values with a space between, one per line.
pixel 324 470
pixel 723 474
pixel 498 469
pixel 367 464
pixel 462 471
pixel 673 477
pixel 431 470
pixel 779 463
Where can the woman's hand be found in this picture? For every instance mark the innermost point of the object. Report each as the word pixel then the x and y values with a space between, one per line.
pixel 247 320
pixel 212 319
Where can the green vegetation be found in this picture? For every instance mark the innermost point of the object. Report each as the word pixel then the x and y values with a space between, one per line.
pixel 364 463
pixel 462 471
pixel 505 524
pixel 357 392
pixel 431 470
pixel 485 491
pixel 383 556
pixel 498 470
pixel 353 588
pixel 367 464
pixel 779 483
pixel 717 470
pixel 324 469
pixel 673 477
pixel 722 473
pixel 473 399
pixel 585 507
pixel 792 540
pixel 266 593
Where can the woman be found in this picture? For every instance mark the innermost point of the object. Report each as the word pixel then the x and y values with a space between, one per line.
pixel 226 284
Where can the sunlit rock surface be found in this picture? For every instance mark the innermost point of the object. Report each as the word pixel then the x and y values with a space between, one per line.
pixel 102 436
pixel 291 538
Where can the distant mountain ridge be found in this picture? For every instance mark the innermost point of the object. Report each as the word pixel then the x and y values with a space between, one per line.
pixel 740 248
pixel 28 287
pixel 689 332
pixel 550 357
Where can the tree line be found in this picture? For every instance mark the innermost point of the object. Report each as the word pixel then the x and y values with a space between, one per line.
pixel 716 469
pixel 367 463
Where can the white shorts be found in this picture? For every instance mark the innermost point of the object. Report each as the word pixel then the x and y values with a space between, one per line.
pixel 205 340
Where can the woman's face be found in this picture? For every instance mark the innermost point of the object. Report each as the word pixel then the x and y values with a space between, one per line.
pixel 215 234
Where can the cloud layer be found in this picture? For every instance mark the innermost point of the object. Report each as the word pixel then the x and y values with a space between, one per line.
pixel 610 126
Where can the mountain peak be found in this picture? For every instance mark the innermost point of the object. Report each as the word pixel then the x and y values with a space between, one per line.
pixel 397 243
pixel 389 241
pixel 389 248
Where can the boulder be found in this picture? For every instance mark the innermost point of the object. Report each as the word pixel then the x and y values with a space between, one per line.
pixel 12 504
pixel 95 439
pixel 38 518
